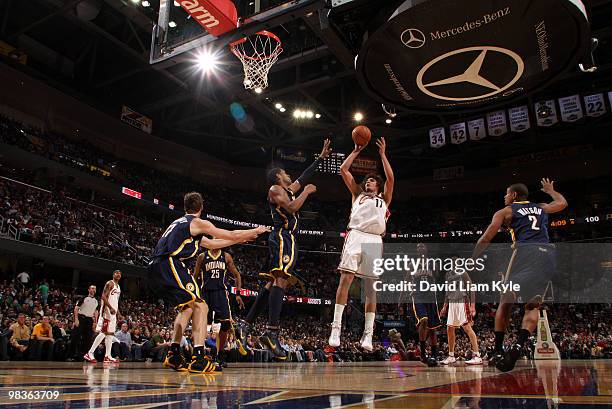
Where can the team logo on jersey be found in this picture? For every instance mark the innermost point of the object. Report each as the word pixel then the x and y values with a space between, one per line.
pixel 190 287
pixel 286 258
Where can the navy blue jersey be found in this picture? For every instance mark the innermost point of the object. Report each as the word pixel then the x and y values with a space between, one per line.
pixel 529 223
pixel 177 240
pixel 281 219
pixel 213 272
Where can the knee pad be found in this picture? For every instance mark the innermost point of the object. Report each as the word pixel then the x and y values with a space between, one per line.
pixel 226 325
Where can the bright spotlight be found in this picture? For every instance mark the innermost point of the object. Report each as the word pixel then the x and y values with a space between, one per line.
pixel 135 1
pixel 309 114
pixel 258 90
pixel 318 116
pixel 282 109
pixel 358 116
pixel 172 24
pixel 278 105
pixel 388 121
pixel 297 113
pixel 207 61
pixel 145 3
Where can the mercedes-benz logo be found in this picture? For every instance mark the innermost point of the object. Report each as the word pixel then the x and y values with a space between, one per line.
pixel 472 75
pixel 413 38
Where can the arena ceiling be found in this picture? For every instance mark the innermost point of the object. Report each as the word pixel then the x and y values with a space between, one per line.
pixel 99 51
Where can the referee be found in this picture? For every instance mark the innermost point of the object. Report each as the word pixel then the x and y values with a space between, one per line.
pixel 85 314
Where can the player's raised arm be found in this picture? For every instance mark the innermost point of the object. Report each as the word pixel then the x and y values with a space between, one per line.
pixel 199 226
pixel 229 261
pixel 499 218
pixel 559 203
pixel 346 174
pixel 390 178
pixel 279 197
pixel 307 174
pixel 214 244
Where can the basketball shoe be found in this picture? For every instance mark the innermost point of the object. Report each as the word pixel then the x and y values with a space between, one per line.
pixel 89 358
pixel 270 340
pixel 366 341
pixel 334 338
pixel 176 362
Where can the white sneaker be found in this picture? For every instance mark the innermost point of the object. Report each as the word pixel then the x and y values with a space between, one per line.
pixel 449 360
pixel 334 338
pixel 366 341
pixel 474 361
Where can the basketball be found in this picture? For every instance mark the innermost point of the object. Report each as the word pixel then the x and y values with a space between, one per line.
pixel 361 135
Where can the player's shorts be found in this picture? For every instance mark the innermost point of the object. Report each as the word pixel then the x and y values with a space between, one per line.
pixel 534 266
pixel 354 259
pixel 427 311
pixel 218 301
pixel 283 251
pixel 107 323
pixel 170 280
pixel 458 314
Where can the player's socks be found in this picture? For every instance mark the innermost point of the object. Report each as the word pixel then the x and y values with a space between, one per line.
pixel 523 336
pixel 96 342
pixel 369 322
pixel 258 306
pixel 108 343
pixel 499 341
pixel 334 337
pixel 423 348
pixel 275 305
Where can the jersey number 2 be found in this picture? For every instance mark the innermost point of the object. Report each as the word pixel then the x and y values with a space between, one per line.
pixel 534 222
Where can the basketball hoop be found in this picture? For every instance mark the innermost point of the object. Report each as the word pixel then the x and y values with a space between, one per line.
pixel 257 53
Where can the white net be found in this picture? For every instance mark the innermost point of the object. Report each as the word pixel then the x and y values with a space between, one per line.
pixel 257 53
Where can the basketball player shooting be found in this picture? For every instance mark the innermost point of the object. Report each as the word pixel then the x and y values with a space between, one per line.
pixel 107 322
pixel 284 208
pixel 171 280
pixel 531 266
pixel 367 225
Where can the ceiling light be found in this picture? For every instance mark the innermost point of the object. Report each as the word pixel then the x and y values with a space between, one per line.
pixel 358 116
pixel 258 90
pixel 282 109
pixel 309 114
pixel 278 105
pixel 388 121
pixel 297 113
pixel 318 116
pixel 145 3
pixel 207 61
pixel 172 24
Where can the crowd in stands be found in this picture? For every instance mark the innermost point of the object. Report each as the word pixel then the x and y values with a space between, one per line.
pixel 37 323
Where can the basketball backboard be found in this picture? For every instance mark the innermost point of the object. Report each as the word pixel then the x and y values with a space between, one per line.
pixel 176 33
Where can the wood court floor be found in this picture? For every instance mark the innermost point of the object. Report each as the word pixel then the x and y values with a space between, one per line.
pixel 543 384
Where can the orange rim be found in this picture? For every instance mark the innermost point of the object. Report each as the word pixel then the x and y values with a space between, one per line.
pixel 243 40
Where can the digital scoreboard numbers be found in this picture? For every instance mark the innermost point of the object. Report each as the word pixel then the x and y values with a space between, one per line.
pixel 332 163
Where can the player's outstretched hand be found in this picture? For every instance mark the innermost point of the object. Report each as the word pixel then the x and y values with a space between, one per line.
pixel 309 189
pixel 382 146
pixel 326 149
pixel 262 229
pixel 548 186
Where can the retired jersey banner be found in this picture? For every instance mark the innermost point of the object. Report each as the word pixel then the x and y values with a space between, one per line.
pixel 551 118
pixel 437 137
pixel 571 109
pixel 595 105
pixel 519 119
pixel 497 124
pixel 137 120
pixel 476 129
pixel 457 133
